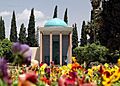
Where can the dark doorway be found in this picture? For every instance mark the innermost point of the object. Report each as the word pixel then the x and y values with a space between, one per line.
pixel 56 53
pixel 47 60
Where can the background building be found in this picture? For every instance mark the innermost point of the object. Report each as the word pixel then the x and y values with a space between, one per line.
pixel 55 42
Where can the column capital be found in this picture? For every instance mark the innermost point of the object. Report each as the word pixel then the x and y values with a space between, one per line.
pixel 41 32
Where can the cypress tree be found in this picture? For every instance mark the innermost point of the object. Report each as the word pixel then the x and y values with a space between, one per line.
pixel 13 32
pixel 31 30
pixel 3 26
pixel 66 17
pixel 2 29
pixel 110 31
pixel 74 37
pixel 55 12
pixel 83 35
pixel 22 34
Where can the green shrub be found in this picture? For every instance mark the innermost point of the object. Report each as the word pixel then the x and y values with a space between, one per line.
pixel 91 53
pixel 5 49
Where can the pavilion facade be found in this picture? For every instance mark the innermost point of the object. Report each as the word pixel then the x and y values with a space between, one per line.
pixel 55 42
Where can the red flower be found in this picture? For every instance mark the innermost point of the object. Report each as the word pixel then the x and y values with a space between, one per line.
pixel 101 70
pixel 76 66
pixel 41 64
pixel 27 79
pixel 61 80
pixel 70 82
pixel 44 79
pixel 32 77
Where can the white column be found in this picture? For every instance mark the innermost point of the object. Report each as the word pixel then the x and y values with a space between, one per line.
pixel 70 51
pixel 60 48
pixel 70 48
pixel 50 46
pixel 41 46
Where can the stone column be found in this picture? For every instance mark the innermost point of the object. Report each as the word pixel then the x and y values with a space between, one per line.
pixel 50 46
pixel 60 48
pixel 41 46
pixel 70 48
pixel 70 51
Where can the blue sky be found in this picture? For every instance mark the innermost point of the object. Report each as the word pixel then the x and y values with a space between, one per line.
pixel 78 10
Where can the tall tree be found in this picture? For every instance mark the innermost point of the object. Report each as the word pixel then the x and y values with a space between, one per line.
pixel 74 37
pixel 13 32
pixel 31 30
pixel 83 35
pixel 66 17
pixel 2 29
pixel 93 27
pixel 22 34
pixel 55 12
pixel 110 32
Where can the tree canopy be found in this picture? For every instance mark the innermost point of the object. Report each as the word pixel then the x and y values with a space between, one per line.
pixel 2 29
pixel 31 30
pixel 22 34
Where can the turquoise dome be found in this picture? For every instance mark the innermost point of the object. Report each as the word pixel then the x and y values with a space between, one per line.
pixel 55 22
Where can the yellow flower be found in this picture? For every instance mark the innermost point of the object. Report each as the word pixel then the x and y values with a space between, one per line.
pixel 106 83
pixel 94 68
pixel 90 72
pixel 116 76
pixel 106 75
pixel 42 69
pixel 116 67
pixel 74 59
pixel 107 78
pixel 69 66
pixel 106 65
pixel 118 62
pixel 64 67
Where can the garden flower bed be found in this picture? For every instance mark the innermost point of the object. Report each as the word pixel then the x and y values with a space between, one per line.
pixel 26 72
pixel 67 75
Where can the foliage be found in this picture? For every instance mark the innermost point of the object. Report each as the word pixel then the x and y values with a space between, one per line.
pixel 2 29
pixel 95 3
pixel 66 17
pixel 116 83
pixel 74 37
pixel 5 49
pixel 22 34
pixel 93 27
pixel 13 32
pixel 91 53
pixel 55 12
pixel 109 32
pixel 31 31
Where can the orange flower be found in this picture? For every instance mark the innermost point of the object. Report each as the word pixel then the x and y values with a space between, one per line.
pixel 44 79
pixel 101 69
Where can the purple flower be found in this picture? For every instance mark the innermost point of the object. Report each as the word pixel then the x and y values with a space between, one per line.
pixel 4 71
pixel 16 47
pixel 47 70
pixel 23 51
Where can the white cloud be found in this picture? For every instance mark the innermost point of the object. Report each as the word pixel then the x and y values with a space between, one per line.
pixel 24 16
pixel 5 13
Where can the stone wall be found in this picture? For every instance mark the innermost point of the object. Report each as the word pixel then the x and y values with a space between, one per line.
pixel 35 53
